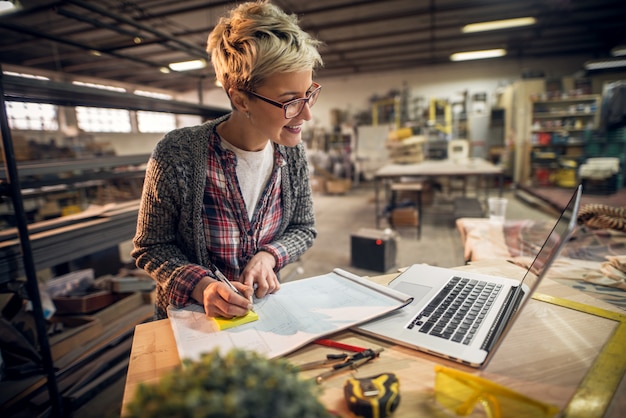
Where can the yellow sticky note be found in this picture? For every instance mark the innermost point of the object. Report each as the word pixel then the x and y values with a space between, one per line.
pixel 224 323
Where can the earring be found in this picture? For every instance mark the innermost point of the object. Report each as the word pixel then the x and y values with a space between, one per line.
pixel 248 115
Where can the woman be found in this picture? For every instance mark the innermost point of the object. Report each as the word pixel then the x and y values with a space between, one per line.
pixel 233 194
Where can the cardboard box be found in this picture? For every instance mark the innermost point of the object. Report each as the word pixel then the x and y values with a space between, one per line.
pixel 318 184
pixel 338 186
pixel 404 217
pixel 87 303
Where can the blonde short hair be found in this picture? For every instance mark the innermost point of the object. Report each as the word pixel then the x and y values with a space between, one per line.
pixel 257 40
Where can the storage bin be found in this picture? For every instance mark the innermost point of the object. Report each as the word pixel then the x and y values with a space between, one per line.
pixel 545 138
pixel 543 176
pixel 605 186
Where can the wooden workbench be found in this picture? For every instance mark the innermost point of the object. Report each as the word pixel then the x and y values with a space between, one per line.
pixel 546 356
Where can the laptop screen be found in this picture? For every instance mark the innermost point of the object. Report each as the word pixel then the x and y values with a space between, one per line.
pixel 549 251
pixel 554 242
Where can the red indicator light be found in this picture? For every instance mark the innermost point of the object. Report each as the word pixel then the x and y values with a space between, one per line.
pixel 379 242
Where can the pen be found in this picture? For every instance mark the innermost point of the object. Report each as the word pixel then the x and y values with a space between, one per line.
pixel 220 277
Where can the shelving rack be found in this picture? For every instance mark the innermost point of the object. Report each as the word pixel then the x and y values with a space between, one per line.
pixel 63 94
pixel 564 121
pixel 559 129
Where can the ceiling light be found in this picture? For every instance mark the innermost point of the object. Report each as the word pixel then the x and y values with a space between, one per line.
pixel 478 55
pixel 187 65
pixel 605 64
pixel 619 51
pixel 499 24
pixel 164 70
pixel 9 6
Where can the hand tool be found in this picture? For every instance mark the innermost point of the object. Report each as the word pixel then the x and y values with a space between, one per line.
pixel 330 359
pixel 373 397
pixel 353 362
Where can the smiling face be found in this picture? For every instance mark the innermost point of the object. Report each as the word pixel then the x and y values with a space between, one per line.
pixel 269 120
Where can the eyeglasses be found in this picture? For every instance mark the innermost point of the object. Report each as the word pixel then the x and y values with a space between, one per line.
pixel 460 392
pixel 294 107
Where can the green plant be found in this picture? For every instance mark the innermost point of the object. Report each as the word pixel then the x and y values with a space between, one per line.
pixel 239 384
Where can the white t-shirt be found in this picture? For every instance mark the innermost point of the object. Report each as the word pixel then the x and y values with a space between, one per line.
pixel 254 169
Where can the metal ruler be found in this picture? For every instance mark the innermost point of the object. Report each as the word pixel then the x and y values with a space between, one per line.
pixel 594 394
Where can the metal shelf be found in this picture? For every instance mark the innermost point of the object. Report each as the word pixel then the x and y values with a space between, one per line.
pixel 19 256
pixel 65 239
pixel 40 168
pixel 20 89
pixel 569 99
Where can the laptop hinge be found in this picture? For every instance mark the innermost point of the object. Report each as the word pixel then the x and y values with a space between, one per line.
pixel 508 309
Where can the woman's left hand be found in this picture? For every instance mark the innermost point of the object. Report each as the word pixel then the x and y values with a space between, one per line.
pixel 259 274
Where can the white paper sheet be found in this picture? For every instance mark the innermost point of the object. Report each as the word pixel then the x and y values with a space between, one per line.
pixel 300 312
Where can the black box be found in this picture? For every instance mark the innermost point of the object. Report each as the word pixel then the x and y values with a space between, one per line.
pixel 374 249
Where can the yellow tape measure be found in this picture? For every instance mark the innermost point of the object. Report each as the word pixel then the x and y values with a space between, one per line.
pixel 593 396
pixel 373 397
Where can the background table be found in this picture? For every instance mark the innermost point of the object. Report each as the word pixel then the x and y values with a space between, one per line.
pixel 430 169
pixel 546 356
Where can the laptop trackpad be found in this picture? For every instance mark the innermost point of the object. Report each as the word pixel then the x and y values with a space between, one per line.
pixel 416 290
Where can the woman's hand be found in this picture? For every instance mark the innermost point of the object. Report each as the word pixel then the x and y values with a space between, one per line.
pixel 219 300
pixel 259 273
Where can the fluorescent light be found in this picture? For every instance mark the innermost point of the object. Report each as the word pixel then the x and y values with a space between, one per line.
pixel 604 64
pixel 478 55
pixel 187 65
pixel 619 51
pixel 9 6
pixel 499 24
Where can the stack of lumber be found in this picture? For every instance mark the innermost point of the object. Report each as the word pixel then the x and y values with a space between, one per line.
pixel 407 150
pixel 88 358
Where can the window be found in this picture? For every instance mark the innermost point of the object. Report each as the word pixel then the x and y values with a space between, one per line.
pixel 99 86
pixel 95 119
pixel 153 94
pixel 155 121
pixel 32 116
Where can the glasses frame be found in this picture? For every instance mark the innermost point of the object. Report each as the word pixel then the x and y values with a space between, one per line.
pixel 316 89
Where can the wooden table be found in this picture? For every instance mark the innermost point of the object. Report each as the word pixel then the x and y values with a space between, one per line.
pixel 546 356
pixel 471 167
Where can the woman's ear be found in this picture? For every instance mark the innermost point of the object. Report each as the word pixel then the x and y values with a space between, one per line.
pixel 239 99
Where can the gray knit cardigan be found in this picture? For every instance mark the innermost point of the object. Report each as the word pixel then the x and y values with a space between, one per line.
pixel 170 235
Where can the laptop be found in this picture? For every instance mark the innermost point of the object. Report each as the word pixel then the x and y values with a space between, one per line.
pixel 464 316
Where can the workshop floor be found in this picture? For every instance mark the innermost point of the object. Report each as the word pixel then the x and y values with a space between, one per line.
pixel 338 217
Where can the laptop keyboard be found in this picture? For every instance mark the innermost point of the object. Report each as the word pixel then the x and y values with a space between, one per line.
pixel 458 310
